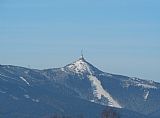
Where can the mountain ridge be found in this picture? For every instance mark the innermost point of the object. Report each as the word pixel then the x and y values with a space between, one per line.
pixel 81 81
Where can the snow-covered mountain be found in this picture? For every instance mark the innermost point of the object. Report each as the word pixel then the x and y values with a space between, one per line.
pixel 76 89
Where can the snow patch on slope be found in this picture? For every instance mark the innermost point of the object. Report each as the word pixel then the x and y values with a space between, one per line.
pixel 26 96
pixel 32 99
pixel 25 81
pixel 4 76
pixel 99 92
pixel 62 69
pixel 1 91
pixel 146 94
pixel 139 83
pixel 146 86
pixel 14 97
pixel 7 77
pixel 35 100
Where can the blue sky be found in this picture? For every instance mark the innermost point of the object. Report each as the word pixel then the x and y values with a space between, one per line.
pixel 118 36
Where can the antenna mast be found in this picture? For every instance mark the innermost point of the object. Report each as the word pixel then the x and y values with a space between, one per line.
pixel 82 54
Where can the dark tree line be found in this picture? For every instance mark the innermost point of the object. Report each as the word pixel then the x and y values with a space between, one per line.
pixel 107 113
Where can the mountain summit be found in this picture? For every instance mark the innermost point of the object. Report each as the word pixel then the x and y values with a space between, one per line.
pixel 81 66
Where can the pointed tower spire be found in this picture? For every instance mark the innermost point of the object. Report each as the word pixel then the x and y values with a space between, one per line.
pixel 82 57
